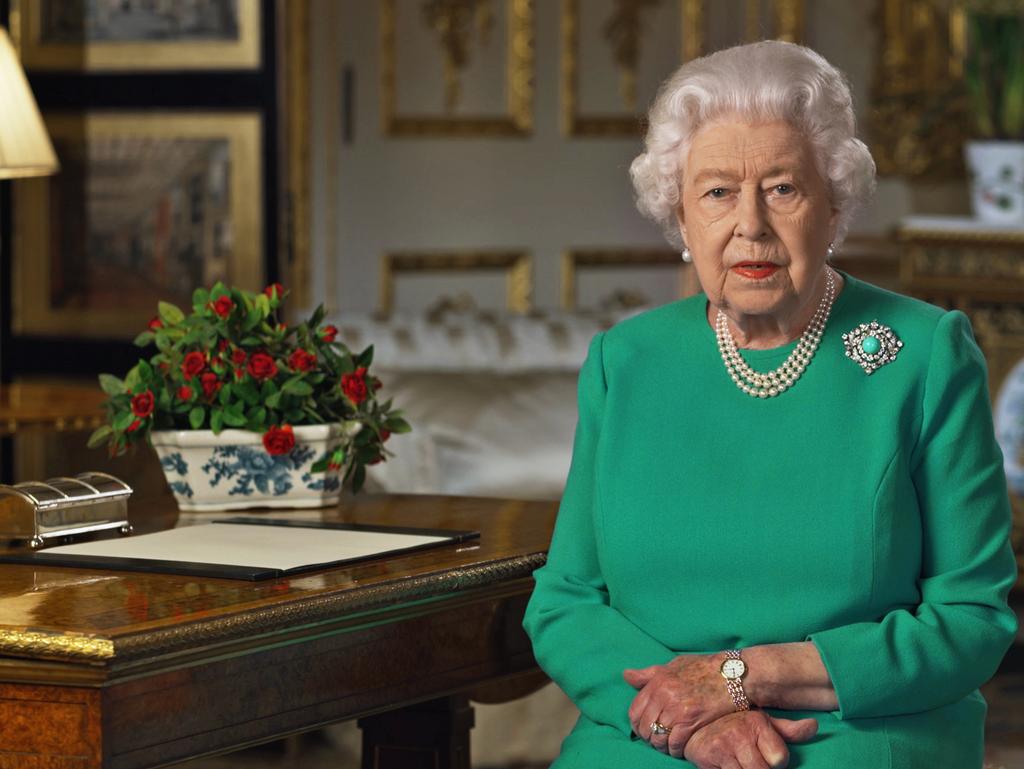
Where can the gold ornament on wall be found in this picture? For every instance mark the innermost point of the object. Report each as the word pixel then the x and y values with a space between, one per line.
pixel 453 22
pixel 622 30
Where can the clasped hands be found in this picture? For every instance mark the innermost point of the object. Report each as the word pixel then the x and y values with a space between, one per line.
pixel 688 695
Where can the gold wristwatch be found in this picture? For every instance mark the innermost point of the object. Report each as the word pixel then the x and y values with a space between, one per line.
pixel 733 669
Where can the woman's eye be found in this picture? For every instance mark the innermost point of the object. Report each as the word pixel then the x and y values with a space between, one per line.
pixel 718 193
pixel 783 189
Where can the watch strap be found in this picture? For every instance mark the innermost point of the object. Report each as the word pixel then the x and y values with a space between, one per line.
pixel 735 685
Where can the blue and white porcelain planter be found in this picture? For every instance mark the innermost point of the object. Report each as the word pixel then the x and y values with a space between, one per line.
pixel 232 470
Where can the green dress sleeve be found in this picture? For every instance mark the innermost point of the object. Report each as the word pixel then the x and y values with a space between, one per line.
pixel 920 658
pixel 579 639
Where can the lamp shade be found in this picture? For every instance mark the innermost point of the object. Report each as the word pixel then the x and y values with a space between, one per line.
pixel 25 148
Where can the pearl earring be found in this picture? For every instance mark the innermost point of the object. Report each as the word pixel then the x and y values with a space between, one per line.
pixel 830 251
pixel 686 255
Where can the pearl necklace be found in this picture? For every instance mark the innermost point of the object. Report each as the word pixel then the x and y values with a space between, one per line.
pixel 772 383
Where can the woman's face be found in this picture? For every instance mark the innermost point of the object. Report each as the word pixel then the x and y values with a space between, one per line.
pixel 756 217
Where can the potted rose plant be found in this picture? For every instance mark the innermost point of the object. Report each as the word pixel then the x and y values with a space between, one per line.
pixel 246 411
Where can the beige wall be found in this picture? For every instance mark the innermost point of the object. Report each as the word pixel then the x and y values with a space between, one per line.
pixel 543 193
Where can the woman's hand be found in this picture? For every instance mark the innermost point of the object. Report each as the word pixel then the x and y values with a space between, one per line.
pixel 685 694
pixel 746 740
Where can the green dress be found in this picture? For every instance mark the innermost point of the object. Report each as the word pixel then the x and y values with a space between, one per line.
pixel 867 514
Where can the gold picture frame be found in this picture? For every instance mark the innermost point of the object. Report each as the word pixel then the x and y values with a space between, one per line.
pixel 155 203
pixel 48 31
pixel 517 266
pixel 518 120
pixel 575 260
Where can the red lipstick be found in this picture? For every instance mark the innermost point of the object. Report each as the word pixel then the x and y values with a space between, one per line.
pixel 756 270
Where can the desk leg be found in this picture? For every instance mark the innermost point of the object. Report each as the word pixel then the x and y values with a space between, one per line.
pixel 431 735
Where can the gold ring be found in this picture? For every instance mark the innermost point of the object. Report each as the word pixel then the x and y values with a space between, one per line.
pixel 659 728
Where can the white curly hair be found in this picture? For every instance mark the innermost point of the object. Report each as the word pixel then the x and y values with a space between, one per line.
pixel 758 82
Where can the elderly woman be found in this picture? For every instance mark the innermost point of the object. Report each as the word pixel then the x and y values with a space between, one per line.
pixel 785 529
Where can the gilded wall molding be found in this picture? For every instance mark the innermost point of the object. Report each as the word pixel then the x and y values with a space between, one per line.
pixel 623 37
pixel 518 119
pixel 297 225
pixel 516 265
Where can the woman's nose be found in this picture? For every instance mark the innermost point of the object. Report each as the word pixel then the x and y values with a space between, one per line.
pixel 750 218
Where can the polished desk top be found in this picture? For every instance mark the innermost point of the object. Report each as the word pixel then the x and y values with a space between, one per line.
pixel 91 624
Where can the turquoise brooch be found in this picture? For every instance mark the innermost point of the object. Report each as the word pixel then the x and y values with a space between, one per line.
pixel 871 346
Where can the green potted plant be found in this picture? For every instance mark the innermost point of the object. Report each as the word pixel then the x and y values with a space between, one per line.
pixel 994 77
pixel 245 410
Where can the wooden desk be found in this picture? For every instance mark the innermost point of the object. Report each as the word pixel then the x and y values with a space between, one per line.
pixel 121 670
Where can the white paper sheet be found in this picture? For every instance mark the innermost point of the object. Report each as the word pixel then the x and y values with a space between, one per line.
pixel 239 544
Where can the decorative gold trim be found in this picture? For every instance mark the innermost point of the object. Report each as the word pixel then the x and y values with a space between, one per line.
pixel 451 583
pixel 112 56
pixel 519 75
pixel 917 128
pixel 32 643
pixel 789 20
pixel 963 237
pixel 33 313
pixel 518 267
pixel 295 224
pixel 573 260
pixel 628 124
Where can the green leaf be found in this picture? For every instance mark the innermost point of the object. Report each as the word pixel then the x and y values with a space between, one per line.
pixel 145 371
pixel 297 387
pixel 258 415
pixel 319 466
pixel 397 425
pixel 100 436
pixel 273 400
pixel 218 290
pixel 234 418
pixel 123 420
pixel 196 417
pixel 170 314
pixel 293 416
pixel 252 319
pixel 144 339
pixel 358 478
pixel 225 395
pixel 317 316
pixel 112 385
pixel 366 357
pixel 263 305
pixel 200 298
pixel 247 391
pixel 217 420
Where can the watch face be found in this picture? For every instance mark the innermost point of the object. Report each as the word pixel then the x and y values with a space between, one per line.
pixel 733 669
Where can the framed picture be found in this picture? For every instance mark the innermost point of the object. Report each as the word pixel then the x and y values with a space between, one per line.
pixel 137 35
pixel 456 69
pixel 146 206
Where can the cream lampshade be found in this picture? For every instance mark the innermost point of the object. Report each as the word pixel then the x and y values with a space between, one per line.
pixel 25 148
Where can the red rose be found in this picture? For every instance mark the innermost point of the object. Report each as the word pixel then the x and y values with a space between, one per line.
pixel 222 345
pixel 354 385
pixel 223 306
pixel 155 323
pixel 142 404
pixel 210 384
pixel 384 435
pixel 377 384
pixel 261 366
pixel 328 333
pixel 376 460
pixel 274 287
pixel 133 426
pixel 185 393
pixel 239 374
pixel 238 356
pixel 279 440
pixel 194 362
pixel 301 360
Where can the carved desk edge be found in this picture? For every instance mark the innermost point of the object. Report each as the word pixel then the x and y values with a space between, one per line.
pixel 301 611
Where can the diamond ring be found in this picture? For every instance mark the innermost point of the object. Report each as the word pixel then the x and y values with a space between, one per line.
pixel 659 728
